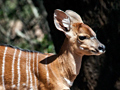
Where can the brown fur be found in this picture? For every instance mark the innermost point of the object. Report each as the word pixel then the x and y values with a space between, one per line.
pixel 53 70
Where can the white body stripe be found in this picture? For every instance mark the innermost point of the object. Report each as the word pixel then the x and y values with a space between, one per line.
pixel 47 72
pixel 37 68
pixel 34 71
pixel 37 64
pixel 3 67
pixel 27 69
pixel 13 67
pixel 18 67
pixel 30 71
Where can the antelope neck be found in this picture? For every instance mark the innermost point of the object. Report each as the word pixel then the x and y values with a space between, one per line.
pixel 70 62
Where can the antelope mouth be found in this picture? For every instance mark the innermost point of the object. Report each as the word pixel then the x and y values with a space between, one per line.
pixel 96 51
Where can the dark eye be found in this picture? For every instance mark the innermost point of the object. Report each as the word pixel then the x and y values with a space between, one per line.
pixel 82 37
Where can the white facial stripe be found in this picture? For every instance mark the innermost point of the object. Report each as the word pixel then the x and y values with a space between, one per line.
pixel 18 67
pixel 81 48
pixel 13 67
pixel 3 67
pixel 68 82
pixel 79 42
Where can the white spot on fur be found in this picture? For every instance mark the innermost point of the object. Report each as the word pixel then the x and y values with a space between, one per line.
pixel 13 86
pixel 3 67
pixel 24 84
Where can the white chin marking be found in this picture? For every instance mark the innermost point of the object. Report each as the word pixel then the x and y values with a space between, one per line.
pixel 100 51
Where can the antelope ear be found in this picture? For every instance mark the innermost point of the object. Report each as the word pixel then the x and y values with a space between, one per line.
pixel 74 17
pixel 61 20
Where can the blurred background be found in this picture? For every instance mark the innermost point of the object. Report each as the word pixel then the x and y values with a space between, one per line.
pixel 28 24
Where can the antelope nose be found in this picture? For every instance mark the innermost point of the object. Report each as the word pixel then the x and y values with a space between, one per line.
pixel 101 48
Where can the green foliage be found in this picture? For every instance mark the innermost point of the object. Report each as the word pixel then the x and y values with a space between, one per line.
pixel 44 46
pixel 23 34
pixel 47 45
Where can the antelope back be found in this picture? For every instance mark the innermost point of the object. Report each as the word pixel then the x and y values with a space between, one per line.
pixel 19 68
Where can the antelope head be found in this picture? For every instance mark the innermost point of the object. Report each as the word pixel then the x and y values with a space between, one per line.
pixel 81 37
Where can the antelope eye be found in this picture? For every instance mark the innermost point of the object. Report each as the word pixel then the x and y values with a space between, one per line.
pixel 82 37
